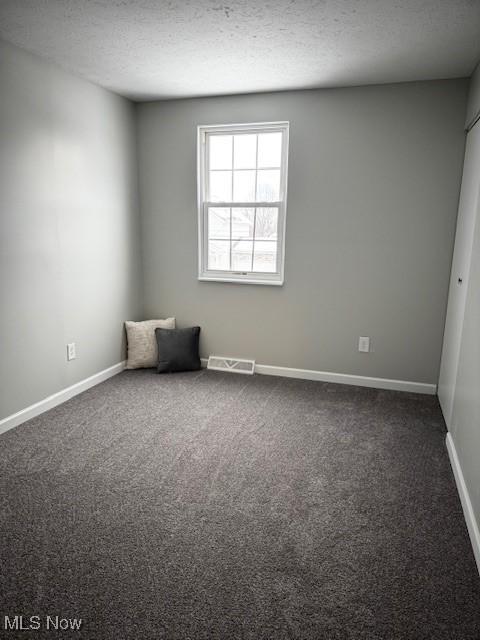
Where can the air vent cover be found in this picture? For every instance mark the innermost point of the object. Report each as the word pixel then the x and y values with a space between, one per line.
pixel 234 365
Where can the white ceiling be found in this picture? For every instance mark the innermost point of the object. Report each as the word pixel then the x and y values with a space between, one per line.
pixel 148 49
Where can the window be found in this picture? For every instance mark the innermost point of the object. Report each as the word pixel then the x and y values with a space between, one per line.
pixel 242 195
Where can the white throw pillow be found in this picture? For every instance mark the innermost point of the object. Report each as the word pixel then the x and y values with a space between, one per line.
pixel 142 344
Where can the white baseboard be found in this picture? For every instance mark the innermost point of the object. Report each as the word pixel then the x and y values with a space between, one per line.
pixel 470 519
pixel 343 378
pixel 57 398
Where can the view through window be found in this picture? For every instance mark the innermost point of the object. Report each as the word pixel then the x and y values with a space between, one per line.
pixel 242 202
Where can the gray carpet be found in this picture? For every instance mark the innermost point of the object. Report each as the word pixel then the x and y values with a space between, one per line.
pixel 209 505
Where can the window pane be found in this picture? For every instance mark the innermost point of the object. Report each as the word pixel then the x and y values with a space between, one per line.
pixel 244 186
pixel 268 185
pixel 266 225
pixel 245 151
pixel 220 186
pixel 219 223
pixel 269 149
pixel 242 207
pixel 220 152
pixel 265 257
pixel 219 255
pixel 242 223
pixel 242 255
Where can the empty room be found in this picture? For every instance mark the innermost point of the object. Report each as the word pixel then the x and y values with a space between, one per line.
pixel 240 319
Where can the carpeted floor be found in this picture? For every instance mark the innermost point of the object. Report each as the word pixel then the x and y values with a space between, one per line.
pixel 217 506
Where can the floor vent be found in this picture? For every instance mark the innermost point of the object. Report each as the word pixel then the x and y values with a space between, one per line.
pixel 235 365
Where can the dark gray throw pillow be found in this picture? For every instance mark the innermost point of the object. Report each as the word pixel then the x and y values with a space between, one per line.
pixel 178 349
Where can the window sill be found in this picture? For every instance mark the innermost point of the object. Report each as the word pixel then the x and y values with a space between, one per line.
pixel 275 283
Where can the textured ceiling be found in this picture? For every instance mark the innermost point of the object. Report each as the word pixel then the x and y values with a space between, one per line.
pixel 147 49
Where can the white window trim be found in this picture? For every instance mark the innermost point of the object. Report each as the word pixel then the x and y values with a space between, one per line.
pixel 206 275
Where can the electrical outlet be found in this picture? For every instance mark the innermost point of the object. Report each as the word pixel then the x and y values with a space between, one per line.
pixel 71 351
pixel 364 344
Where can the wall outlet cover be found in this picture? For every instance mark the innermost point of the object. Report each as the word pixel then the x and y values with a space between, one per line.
pixel 364 344
pixel 71 351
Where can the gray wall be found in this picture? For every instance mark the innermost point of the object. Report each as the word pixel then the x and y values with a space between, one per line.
pixel 69 231
pixel 372 199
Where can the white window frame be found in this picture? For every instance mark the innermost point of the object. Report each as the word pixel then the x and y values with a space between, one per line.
pixel 210 275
